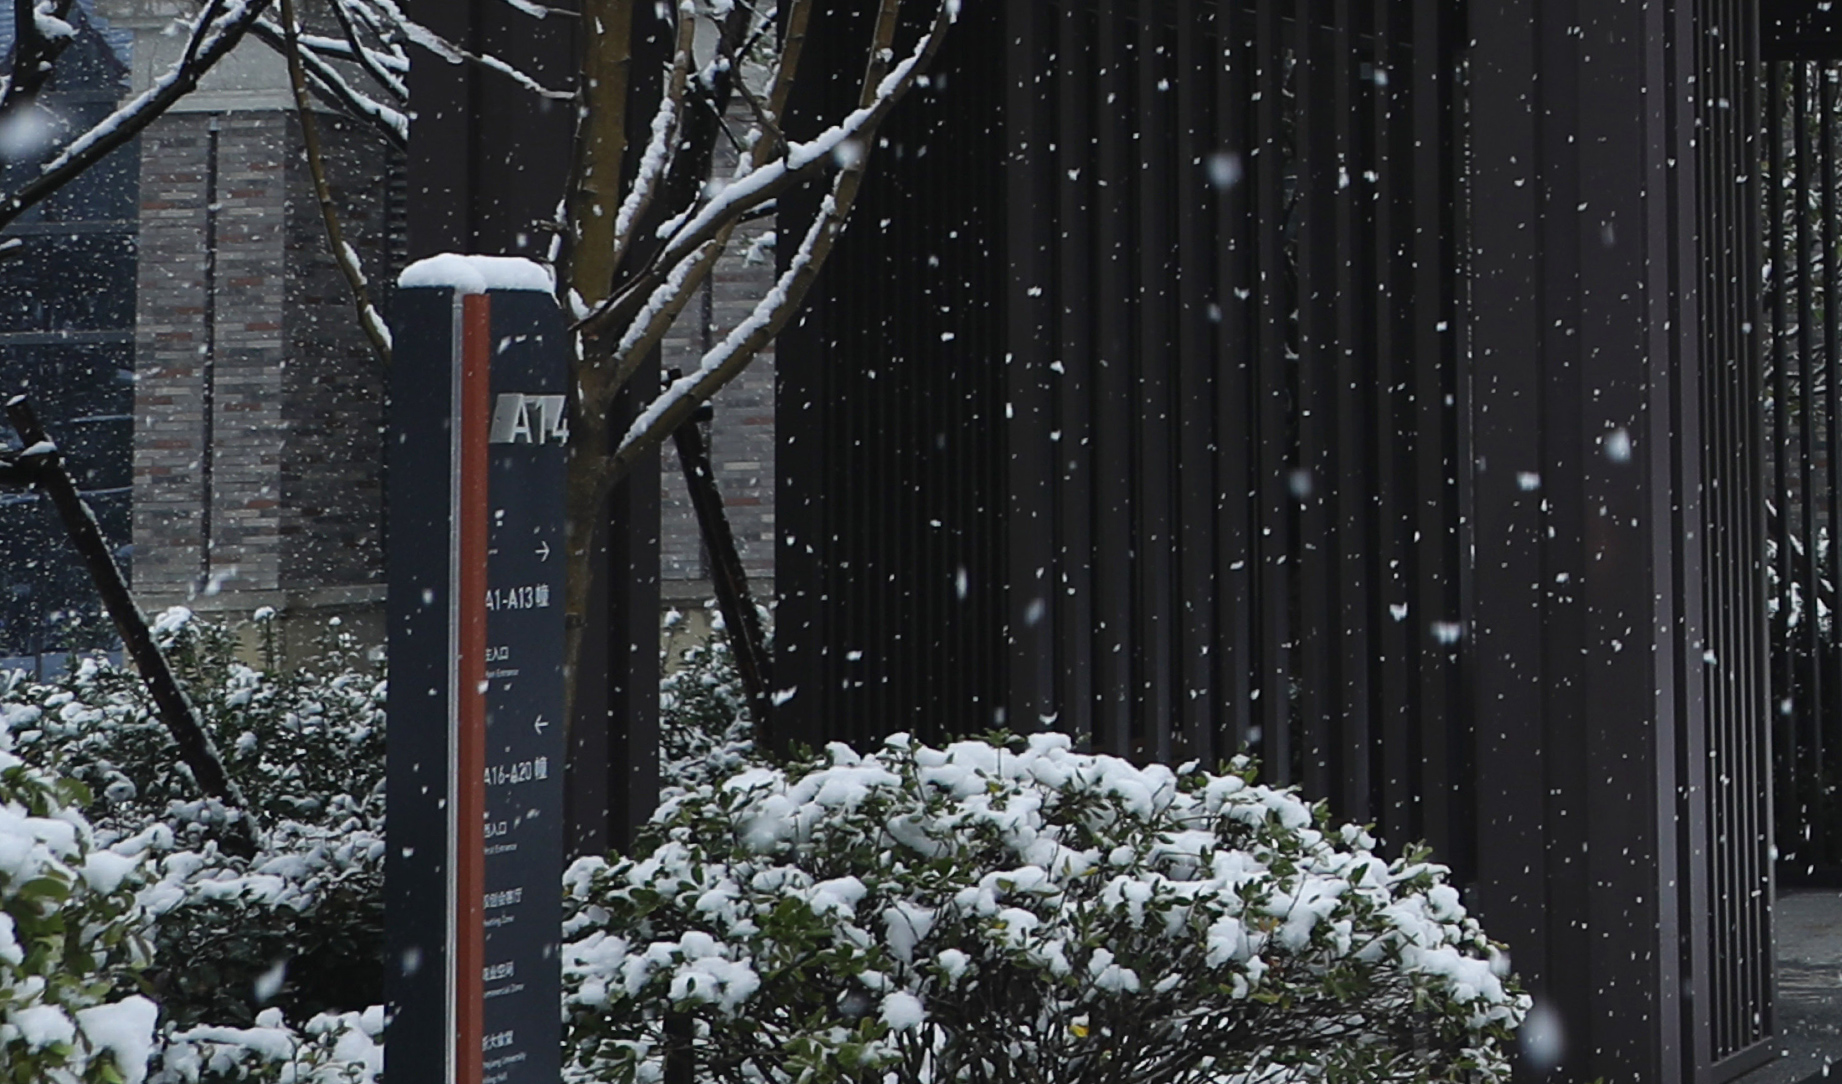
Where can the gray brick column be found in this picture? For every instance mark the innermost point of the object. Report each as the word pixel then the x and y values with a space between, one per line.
pixel 258 408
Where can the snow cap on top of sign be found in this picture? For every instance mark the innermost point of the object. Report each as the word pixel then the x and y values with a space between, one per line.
pixel 478 274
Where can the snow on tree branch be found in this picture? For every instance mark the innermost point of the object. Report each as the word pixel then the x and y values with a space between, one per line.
pixel 664 129
pixel 802 162
pixel 40 35
pixel 684 394
pixel 213 34
pixel 392 123
pixel 535 11
pixel 385 66
pixel 637 308
pixel 418 34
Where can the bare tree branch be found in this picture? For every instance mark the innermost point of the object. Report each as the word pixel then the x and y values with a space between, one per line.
pixel 347 259
pixel 41 465
pixel 881 44
pixel 601 145
pixel 392 124
pixel 214 34
pixel 770 126
pixel 792 44
pixel 771 313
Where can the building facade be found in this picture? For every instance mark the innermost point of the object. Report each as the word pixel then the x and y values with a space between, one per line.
pixel 233 444
pixel 71 350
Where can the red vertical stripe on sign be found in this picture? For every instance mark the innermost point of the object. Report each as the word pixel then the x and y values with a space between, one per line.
pixel 470 788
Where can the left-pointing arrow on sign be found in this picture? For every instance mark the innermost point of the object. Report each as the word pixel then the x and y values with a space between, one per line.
pixel 539 724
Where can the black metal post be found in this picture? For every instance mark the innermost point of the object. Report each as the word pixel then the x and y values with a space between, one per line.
pixel 1592 247
pixel 746 641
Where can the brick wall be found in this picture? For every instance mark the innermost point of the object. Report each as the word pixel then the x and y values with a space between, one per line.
pixel 171 347
pixel 332 485
pixel 259 410
pixel 247 437
pixel 257 407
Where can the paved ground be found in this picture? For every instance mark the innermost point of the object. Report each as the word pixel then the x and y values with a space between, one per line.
pixel 1809 928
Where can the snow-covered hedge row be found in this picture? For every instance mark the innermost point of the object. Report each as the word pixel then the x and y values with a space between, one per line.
pixel 705 733
pixel 983 913
pixel 1005 912
pixel 71 936
pixel 307 747
pixel 298 927
pixel 331 1048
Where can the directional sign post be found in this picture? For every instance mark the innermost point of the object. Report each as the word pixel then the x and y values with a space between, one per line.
pixel 478 439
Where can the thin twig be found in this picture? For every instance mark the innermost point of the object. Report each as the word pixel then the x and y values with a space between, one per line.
pixel 792 44
pixel 390 123
pixel 212 39
pixel 770 129
pixel 771 314
pixel 389 80
pixel 368 318
pixel 880 45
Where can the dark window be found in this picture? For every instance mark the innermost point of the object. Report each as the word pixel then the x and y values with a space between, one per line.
pixel 67 302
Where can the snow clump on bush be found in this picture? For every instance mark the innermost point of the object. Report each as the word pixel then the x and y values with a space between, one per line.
pixel 331 1048
pixel 262 967
pixel 306 744
pixel 1002 912
pixel 71 936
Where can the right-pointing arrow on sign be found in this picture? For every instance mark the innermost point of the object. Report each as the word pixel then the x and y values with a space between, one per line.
pixel 543 551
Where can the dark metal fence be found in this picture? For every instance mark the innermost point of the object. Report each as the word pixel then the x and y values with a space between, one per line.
pixel 1730 872
pixel 1199 471
pixel 1194 466
pixel 890 501
pixel 1237 265
pixel 1803 456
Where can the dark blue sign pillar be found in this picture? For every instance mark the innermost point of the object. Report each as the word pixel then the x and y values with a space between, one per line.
pixel 478 441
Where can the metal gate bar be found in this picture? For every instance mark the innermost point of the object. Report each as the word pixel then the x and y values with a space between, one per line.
pixel 1800 356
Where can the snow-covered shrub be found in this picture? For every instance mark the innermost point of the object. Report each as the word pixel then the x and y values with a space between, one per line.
pixel 331 1048
pixel 1004 912
pixel 71 934
pixel 705 732
pixel 299 925
pixel 306 743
